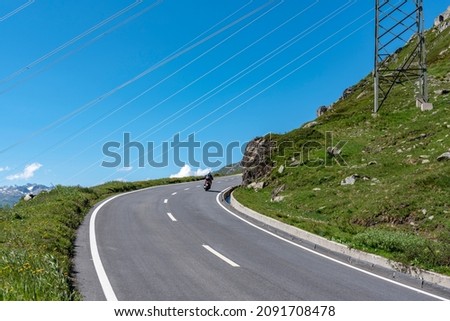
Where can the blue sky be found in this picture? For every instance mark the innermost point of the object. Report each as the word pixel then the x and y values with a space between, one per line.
pixel 76 75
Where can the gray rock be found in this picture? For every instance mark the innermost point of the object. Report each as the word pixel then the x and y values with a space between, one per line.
pixel 347 92
pixel 257 185
pixel 441 22
pixel 28 197
pixel 321 110
pixel 442 92
pixel 351 180
pixel 251 185
pixel 444 157
pixel 278 199
pixel 281 169
pixel 276 191
pixel 361 94
pixel 311 124
pixel 333 151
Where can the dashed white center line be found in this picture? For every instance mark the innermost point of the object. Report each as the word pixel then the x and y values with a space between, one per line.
pixel 171 217
pixel 186 189
pixel 222 257
pixel 174 193
pixel 165 201
pixel 198 186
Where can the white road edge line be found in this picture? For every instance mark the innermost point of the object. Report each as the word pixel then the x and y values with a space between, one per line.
pixel 172 217
pixel 98 266
pixel 103 278
pixel 324 256
pixel 174 193
pixel 220 256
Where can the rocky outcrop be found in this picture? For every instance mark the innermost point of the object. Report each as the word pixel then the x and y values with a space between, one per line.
pixel 310 124
pixel 442 21
pixel 321 110
pixel 257 161
pixel 347 92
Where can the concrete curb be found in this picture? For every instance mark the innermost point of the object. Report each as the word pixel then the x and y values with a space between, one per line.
pixel 353 254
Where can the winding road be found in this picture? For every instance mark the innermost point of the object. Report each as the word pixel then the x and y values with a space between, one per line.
pixel 178 242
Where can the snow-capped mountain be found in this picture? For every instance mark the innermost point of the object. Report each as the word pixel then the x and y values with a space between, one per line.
pixel 10 195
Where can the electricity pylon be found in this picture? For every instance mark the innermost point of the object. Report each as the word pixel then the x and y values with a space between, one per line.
pixel 397 23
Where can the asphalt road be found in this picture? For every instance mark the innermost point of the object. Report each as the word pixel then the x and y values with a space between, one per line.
pixel 176 242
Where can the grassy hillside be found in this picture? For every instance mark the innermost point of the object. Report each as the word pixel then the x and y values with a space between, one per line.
pixel 37 237
pixel 399 206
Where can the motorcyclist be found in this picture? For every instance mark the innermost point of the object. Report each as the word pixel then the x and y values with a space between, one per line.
pixel 209 177
pixel 208 181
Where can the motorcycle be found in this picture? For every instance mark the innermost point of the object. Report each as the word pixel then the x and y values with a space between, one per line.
pixel 208 184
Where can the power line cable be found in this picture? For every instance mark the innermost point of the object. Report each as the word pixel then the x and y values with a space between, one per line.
pixel 70 42
pixel 100 98
pixel 95 123
pixel 280 79
pixel 17 10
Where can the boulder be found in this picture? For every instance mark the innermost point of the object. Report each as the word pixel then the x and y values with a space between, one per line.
pixel 257 186
pixel 351 180
pixel 321 110
pixel 278 199
pixel 311 124
pixel 28 197
pixel 347 92
pixel 442 92
pixel 276 191
pixel 444 157
pixel 333 151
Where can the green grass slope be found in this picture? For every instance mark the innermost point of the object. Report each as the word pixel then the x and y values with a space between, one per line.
pixel 37 239
pixel 399 207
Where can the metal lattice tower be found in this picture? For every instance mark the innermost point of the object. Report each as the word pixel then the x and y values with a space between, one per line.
pixel 397 23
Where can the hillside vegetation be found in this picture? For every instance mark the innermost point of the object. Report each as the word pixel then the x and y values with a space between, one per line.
pixel 399 204
pixel 37 239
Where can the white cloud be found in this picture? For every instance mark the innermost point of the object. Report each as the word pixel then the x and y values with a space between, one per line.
pixel 186 171
pixel 27 173
pixel 4 169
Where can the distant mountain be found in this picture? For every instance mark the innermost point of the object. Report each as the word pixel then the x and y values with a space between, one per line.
pixel 10 195
pixel 231 169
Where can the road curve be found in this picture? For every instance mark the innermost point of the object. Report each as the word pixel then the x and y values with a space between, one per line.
pixel 175 242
